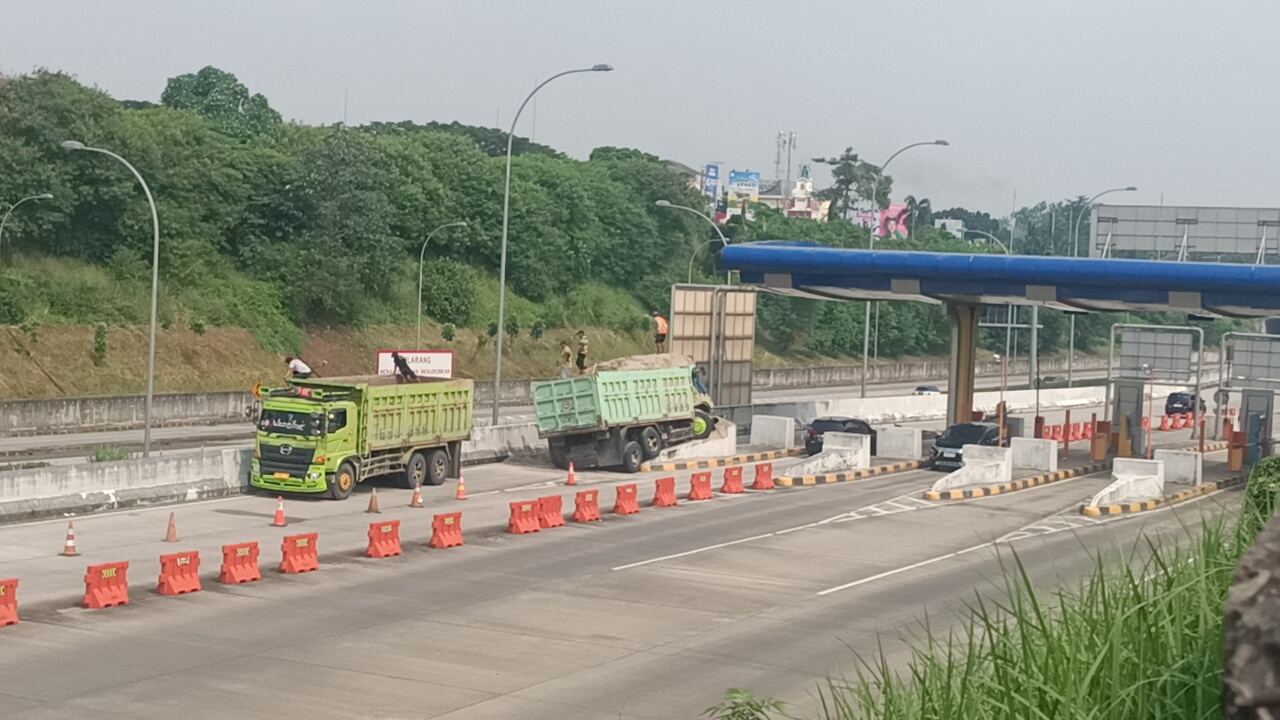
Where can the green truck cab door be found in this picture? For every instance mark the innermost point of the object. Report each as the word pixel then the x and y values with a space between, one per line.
pixel 340 433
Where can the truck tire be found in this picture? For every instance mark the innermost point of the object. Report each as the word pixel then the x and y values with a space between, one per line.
pixel 343 482
pixel 702 425
pixel 415 471
pixel 437 467
pixel 559 459
pixel 632 456
pixel 650 442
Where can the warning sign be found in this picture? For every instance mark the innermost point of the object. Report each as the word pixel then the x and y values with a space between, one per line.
pixel 426 363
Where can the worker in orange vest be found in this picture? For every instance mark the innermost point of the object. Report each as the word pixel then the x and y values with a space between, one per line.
pixel 659 332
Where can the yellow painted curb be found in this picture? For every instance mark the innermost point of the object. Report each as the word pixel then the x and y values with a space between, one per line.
pixel 720 462
pixel 1016 485
pixel 831 478
pixel 1146 505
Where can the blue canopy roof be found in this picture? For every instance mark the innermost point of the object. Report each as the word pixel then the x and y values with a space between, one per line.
pixel 812 270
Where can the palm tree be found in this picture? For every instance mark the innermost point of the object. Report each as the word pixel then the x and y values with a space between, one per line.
pixel 918 211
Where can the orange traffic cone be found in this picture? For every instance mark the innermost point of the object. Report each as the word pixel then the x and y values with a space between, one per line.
pixel 171 535
pixel 69 549
pixel 573 480
pixel 373 501
pixel 462 488
pixel 416 502
pixel 279 521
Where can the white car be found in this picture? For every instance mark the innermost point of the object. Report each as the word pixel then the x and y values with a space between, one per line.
pixel 926 390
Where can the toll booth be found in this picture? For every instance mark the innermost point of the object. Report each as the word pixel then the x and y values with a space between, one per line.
pixel 1143 358
pixel 1250 365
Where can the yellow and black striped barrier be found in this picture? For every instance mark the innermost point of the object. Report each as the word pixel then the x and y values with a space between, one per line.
pixel 721 462
pixel 1147 505
pixel 848 476
pixel 1023 484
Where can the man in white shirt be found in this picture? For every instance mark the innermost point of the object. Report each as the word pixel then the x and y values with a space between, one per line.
pixel 297 369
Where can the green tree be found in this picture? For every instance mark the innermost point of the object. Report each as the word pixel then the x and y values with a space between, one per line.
pixel 919 213
pixel 219 96
pixel 853 178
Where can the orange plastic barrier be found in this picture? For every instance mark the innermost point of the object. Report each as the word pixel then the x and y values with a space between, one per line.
pixel 524 518
pixel 384 539
pixel 106 585
pixel 628 502
pixel 1089 429
pixel 732 481
pixel 764 477
pixel 239 564
pixel 446 530
pixel 301 553
pixel 1189 420
pixel 551 511
pixel 9 602
pixel 664 492
pixel 1179 421
pixel 1077 432
pixel 700 486
pixel 179 573
pixel 1055 432
pixel 586 506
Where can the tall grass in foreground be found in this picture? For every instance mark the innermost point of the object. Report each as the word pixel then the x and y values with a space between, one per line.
pixel 1134 640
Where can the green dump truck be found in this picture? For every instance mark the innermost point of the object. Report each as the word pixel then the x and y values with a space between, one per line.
pixel 620 415
pixel 326 435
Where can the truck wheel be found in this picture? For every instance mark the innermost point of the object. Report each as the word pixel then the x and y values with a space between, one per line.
pixel 437 467
pixel 631 456
pixel 343 482
pixel 650 442
pixel 559 460
pixel 415 472
pixel 702 425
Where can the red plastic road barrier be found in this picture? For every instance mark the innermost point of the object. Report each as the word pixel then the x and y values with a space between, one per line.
pixel 732 481
pixel 179 573
pixel 1189 420
pixel 1089 429
pixel 524 518
pixel 106 585
pixel 301 553
pixel 239 564
pixel 446 530
pixel 551 511
pixel 587 506
pixel 628 502
pixel 1077 432
pixel 700 486
pixel 9 602
pixel 1165 423
pixel 764 477
pixel 1055 432
pixel 1178 421
pixel 664 492
pixel 384 539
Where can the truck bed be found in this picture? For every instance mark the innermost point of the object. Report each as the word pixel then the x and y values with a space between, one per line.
pixel 613 398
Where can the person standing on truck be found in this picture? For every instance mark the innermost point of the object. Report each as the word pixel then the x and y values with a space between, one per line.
pixel 566 360
pixel 404 373
pixel 583 345
pixel 297 370
pixel 659 332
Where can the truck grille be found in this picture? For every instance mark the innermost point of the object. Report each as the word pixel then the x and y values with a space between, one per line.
pixel 295 460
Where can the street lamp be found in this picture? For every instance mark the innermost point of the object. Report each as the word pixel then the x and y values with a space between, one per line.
pixel 155 283
pixel 506 213
pixel 41 196
pixel 728 276
pixel 1075 245
pixel 866 323
pixel 993 238
pixel 422 256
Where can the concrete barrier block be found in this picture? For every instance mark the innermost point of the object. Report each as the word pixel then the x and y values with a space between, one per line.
pixel 773 431
pixel 722 442
pixel 983 466
pixel 1033 454
pixel 1184 467
pixel 1132 480
pixel 840 452
pixel 900 443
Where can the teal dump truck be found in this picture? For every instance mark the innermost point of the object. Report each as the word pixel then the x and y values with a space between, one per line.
pixel 623 413
pixel 326 435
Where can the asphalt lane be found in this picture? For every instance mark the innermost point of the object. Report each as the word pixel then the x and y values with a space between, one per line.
pixel 646 616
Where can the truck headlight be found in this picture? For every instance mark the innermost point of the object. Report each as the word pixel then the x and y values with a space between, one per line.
pixel 313 476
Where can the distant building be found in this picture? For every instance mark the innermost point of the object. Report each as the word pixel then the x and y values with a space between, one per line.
pixel 955 226
pixel 800 202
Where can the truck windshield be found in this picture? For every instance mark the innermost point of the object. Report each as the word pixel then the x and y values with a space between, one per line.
pixel 291 423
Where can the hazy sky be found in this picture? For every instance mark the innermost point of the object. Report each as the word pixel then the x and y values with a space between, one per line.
pixel 1051 98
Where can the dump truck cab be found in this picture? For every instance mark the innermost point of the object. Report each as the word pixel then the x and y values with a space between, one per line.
pixel 303 439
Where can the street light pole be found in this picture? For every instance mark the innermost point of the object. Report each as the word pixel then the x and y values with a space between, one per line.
pixel 728 275
pixel 875 205
pixel 155 284
pixel 422 254
pixel 506 214
pixel 41 196
pixel 1075 247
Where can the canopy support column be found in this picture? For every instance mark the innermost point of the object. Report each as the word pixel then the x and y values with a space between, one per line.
pixel 964 346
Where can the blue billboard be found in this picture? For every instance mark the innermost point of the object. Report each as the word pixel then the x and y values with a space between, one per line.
pixel 711 184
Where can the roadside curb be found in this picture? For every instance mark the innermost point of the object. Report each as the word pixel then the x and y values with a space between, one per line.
pixel 830 478
pixel 1016 485
pixel 1213 447
pixel 1147 505
pixel 721 462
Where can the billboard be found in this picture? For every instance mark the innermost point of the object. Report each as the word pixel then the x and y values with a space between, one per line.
pixel 711 180
pixel 743 186
pixel 869 220
pixel 893 222
pixel 1154 231
pixel 427 363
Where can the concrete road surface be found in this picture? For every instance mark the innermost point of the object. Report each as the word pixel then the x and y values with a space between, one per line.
pixel 647 616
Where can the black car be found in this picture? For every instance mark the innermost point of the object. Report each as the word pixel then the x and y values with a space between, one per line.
pixel 1181 402
pixel 947 452
pixel 813 438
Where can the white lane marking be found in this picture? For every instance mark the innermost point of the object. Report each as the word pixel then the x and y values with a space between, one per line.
pixel 905 568
pixel 694 552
